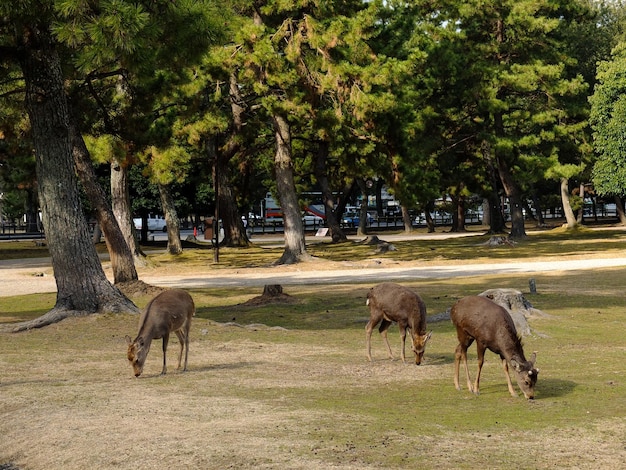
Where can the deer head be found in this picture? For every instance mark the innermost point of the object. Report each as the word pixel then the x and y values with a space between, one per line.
pixel 526 375
pixel 137 353
pixel 419 345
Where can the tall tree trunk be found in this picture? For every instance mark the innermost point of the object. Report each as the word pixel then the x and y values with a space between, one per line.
pixel 406 219
pixel 295 246
pixel 580 215
pixel 458 216
pixel 570 218
pixel 234 230
pixel 496 217
pixel 379 197
pixel 429 208
pixel 362 228
pixel 321 174
pixel 82 287
pixel 538 211
pixel 513 192
pixel 619 204
pixel 119 252
pixel 174 245
pixel 120 203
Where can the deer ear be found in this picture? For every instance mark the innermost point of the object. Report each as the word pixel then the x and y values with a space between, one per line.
pixel 430 333
pixel 533 358
pixel 516 365
pixel 128 340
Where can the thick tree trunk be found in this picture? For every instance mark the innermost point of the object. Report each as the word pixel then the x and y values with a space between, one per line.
pixel 580 216
pixel 121 257
pixel 458 216
pixel 295 246
pixel 406 219
pixel 234 230
pixel 495 216
pixel 619 204
pixel 361 231
pixel 570 218
pixel 429 207
pixel 513 192
pixel 82 287
pixel 174 245
pixel 120 203
pixel 538 211
pixel 321 174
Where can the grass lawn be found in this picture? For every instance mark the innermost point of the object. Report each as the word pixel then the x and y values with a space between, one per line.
pixel 289 386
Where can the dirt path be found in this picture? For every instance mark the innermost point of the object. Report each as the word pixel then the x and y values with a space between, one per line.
pixel 32 276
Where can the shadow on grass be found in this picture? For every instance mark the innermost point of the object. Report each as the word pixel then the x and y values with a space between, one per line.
pixel 438 359
pixel 554 388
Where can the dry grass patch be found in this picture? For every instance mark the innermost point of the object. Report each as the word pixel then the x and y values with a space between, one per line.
pixel 299 393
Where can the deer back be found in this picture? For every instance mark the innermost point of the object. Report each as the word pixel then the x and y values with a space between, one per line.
pixel 489 323
pixel 166 312
pixel 400 304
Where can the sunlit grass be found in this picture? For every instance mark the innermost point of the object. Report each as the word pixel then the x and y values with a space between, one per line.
pixel 384 414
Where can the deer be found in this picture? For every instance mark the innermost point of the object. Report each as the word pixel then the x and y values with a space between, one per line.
pixel 169 311
pixel 478 318
pixel 389 302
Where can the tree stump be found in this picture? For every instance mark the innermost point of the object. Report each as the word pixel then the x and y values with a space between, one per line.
pixel 272 290
pixel 518 307
pixel 272 294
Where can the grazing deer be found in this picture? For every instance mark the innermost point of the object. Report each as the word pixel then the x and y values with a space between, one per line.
pixel 478 318
pixel 169 311
pixel 389 302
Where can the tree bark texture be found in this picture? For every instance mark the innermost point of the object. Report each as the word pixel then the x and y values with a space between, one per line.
pixel 82 287
pixel 120 203
pixel 174 245
pixel 295 246
pixel 570 218
pixel 234 230
pixel 495 216
pixel 619 204
pixel 513 192
pixel 361 230
pixel 121 257
pixel 321 174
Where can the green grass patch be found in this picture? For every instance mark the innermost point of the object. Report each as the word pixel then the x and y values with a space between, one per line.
pixel 305 392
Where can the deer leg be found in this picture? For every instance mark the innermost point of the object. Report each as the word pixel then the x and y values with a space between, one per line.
pixel 384 326
pixel 505 366
pixel 458 353
pixel 480 350
pixel 403 340
pixel 465 342
pixel 166 338
pixel 181 339
pixel 187 328
pixel 368 337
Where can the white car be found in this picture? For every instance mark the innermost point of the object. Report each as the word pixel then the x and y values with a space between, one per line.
pixel 156 223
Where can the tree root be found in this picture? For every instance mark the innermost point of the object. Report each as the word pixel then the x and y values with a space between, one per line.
pixel 60 313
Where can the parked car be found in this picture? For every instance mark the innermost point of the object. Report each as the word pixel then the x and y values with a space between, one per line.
pixel 314 220
pixel 352 219
pixel 156 223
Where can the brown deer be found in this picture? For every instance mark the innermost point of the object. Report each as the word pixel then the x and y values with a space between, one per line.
pixel 478 318
pixel 169 311
pixel 390 302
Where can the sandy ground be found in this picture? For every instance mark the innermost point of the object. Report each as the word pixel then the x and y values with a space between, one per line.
pixel 32 276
